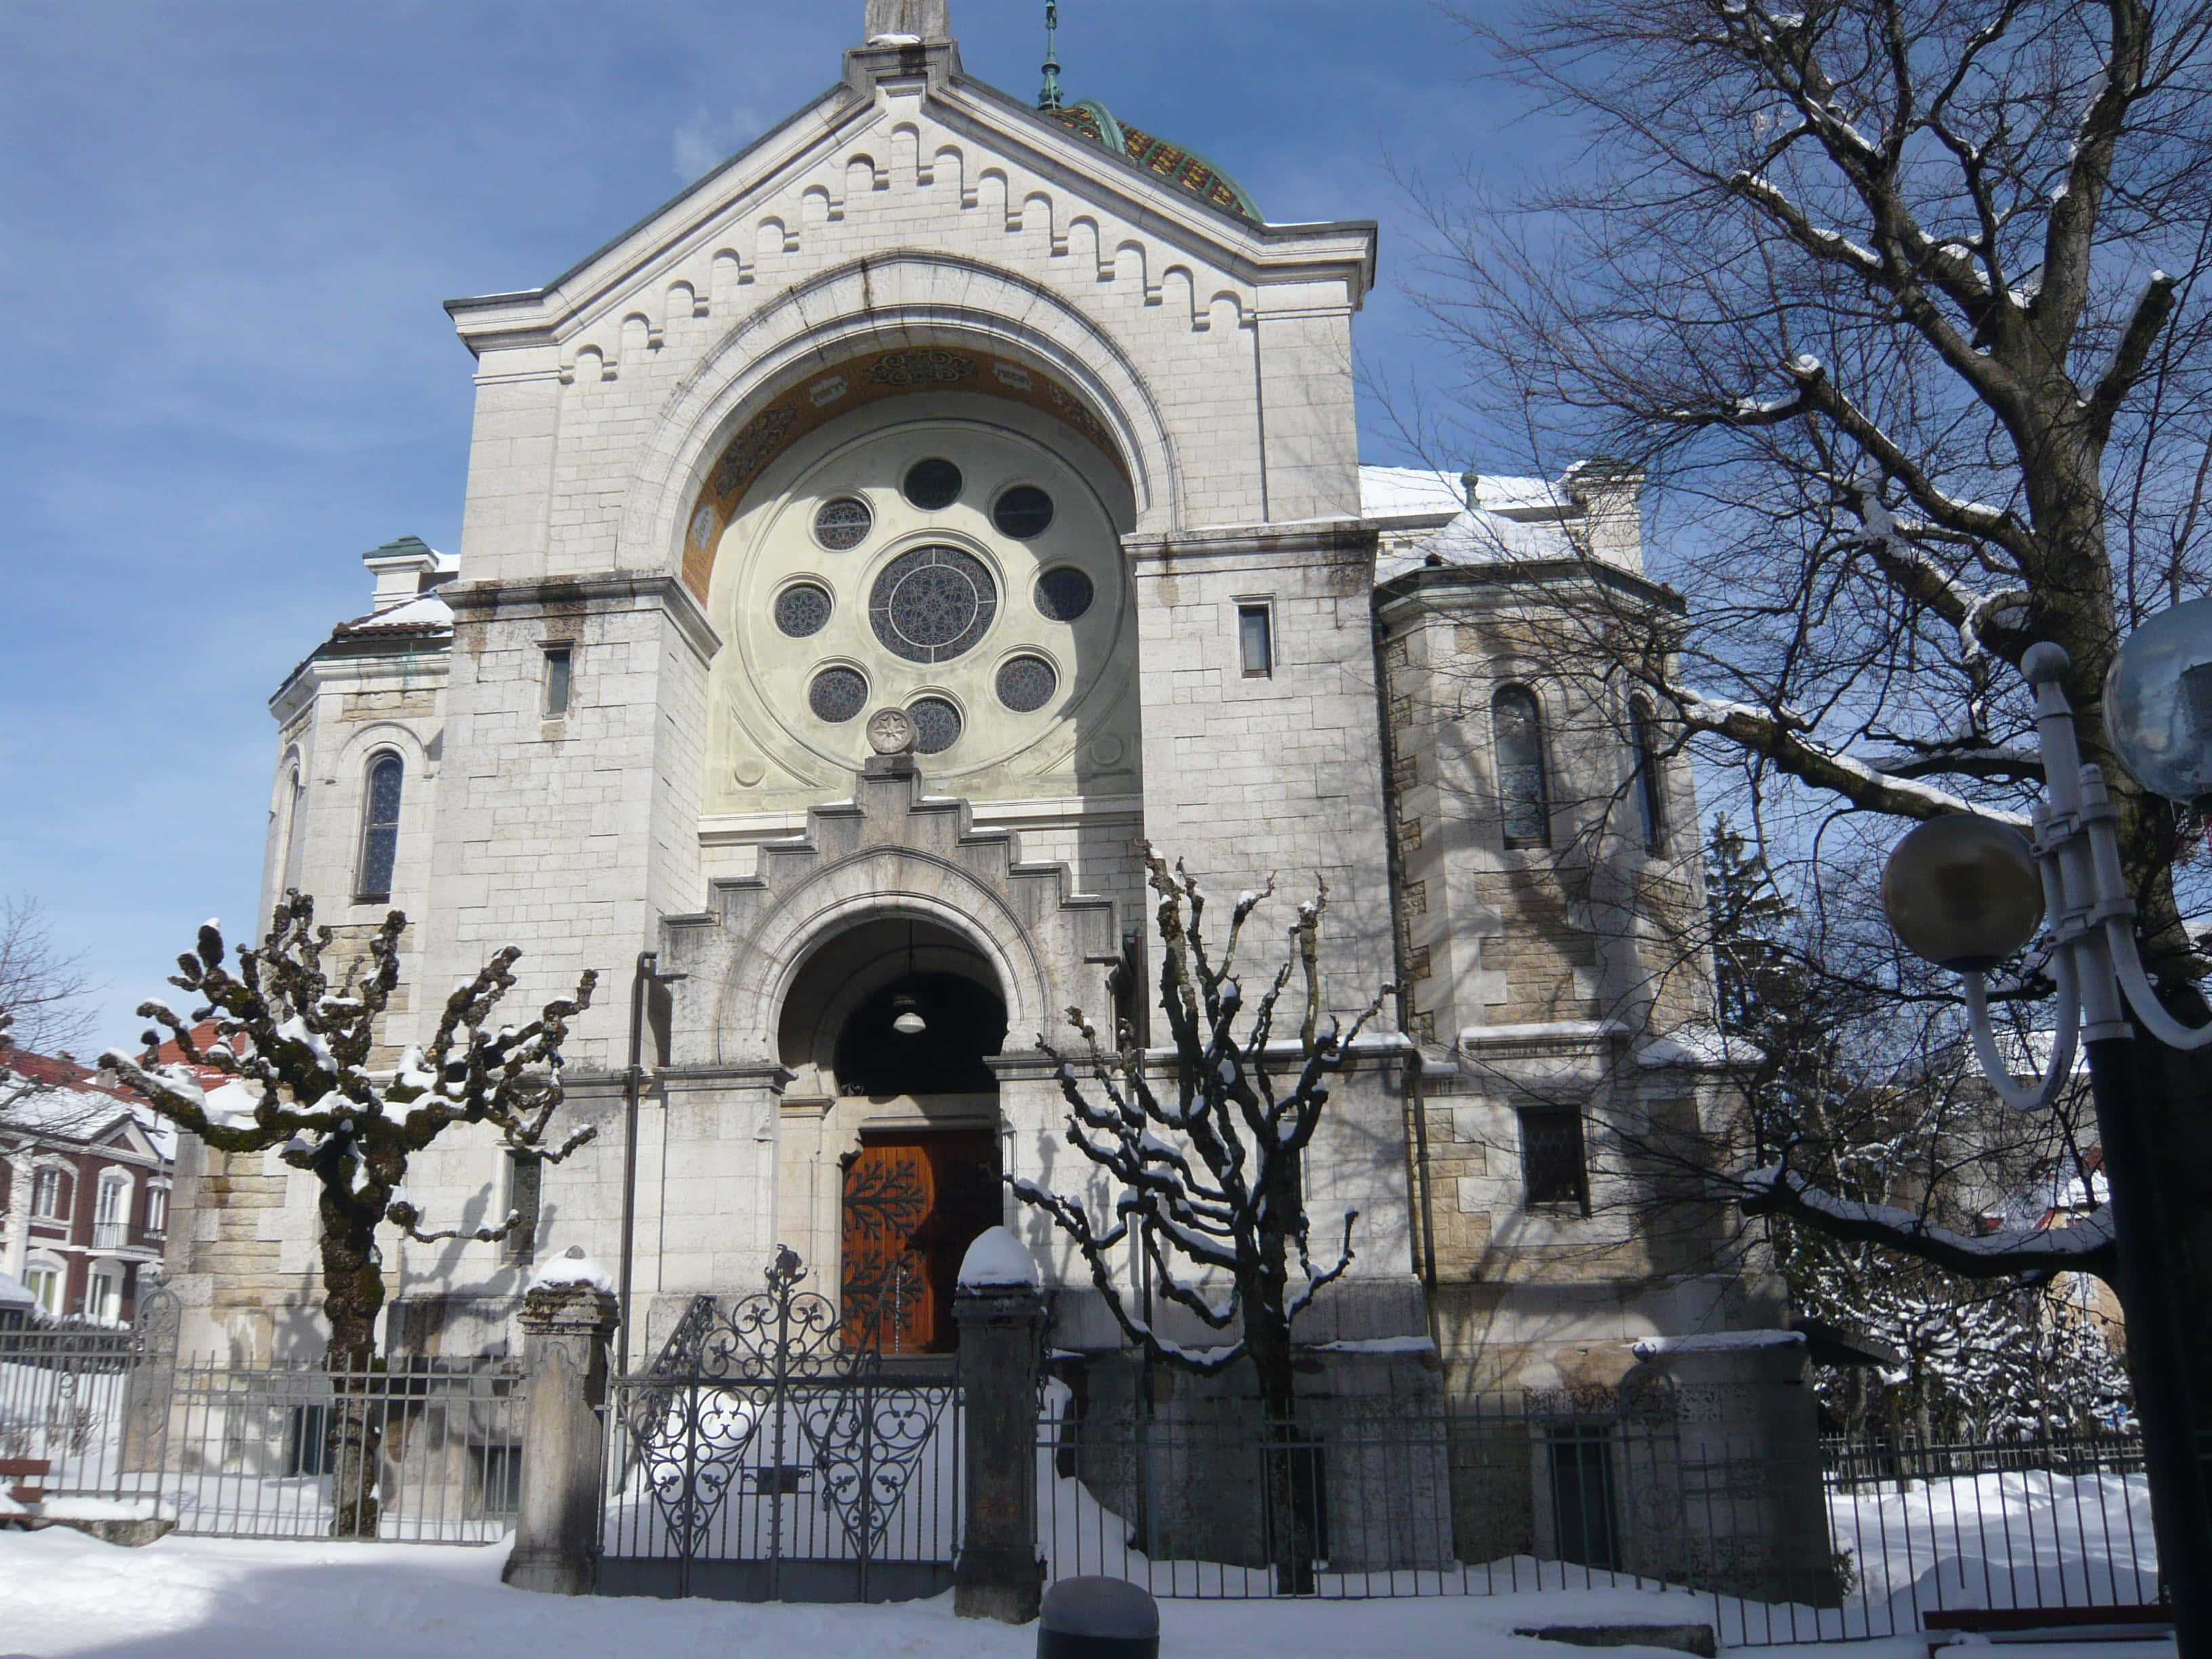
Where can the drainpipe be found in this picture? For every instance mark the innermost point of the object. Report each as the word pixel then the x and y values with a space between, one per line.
pixel 633 1083
pixel 1417 1143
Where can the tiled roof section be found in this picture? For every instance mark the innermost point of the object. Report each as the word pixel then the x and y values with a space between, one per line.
pixel 1185 168
pixel 74 1103
pixel 1190 169
pixel 405 545
pixel 1083 118
pixel 429 616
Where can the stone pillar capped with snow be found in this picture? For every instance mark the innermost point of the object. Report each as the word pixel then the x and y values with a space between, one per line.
pixel 569 1317
pixel 1001 1575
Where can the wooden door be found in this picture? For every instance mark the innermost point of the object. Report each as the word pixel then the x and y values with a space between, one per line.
pixel 913 1203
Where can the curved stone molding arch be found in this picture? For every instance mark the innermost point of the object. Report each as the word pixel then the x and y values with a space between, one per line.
pixel 912 299
pixel 890 851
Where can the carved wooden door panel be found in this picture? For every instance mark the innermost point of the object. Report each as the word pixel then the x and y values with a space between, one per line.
pixel 913 1205
pixel 888 1197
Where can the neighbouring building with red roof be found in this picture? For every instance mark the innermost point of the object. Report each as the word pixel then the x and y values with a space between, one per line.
pixel 84 1189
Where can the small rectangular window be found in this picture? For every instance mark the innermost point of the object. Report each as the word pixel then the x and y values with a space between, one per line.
pixel 307 1449
pixel 526 1175
pixel 1552 1160
pixel 1255 639
pixel 495 1481
pixel 557 658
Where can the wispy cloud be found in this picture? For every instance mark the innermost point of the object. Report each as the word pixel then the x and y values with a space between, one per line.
pixel 228 228
pixel 705 140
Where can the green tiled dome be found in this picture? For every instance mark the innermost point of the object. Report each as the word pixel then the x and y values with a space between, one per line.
pixel 1183 168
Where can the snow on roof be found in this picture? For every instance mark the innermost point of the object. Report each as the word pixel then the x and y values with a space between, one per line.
pixel 427 615
pixel 1424 516
pixel 78 1103
pixel 1389 493
pixel 14 1293
pixel 1523 498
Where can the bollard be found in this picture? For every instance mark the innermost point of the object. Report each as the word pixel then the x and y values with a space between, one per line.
pixel 1099 1619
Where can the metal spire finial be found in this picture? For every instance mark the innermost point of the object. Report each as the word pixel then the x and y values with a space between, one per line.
pixel 1049 98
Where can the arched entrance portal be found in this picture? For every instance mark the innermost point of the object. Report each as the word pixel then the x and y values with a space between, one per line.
pixel 894 1021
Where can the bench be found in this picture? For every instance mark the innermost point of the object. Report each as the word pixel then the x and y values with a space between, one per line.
pixel 25 1469
pixel 2120 1624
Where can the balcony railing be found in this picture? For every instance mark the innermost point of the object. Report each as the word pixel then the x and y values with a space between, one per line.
pixel 111 1235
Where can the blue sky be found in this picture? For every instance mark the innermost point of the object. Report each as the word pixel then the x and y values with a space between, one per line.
pixel 225 233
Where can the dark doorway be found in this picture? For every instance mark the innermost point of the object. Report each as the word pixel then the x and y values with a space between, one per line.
pixel 914 1201
pixel 962 1023
pixel 1581 1494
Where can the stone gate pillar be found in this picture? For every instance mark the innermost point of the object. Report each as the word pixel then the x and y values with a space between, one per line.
pixel 566 1323
pixel 1001 1318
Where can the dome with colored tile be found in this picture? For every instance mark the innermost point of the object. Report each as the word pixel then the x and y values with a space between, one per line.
pixel 1184 167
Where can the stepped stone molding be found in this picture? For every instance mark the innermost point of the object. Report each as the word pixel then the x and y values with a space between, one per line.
pixel 891 851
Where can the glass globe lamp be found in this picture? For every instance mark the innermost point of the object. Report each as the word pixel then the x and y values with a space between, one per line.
pixel 2158 703
pixel 1963 892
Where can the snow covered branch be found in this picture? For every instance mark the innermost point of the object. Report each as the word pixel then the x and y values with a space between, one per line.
pixel 1781 741
pixel 1205 1173
pixel 2087 1247
pixel 288 1069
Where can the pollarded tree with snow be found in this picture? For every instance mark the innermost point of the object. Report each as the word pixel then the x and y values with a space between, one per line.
pixel 295 1043
pixel 1206 1169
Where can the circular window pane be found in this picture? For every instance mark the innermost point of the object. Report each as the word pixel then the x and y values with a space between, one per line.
pixel 932 485
pixel 1064 594
pixel 838 695
pixel 936 724
pixel 842 525
pixel 1026 683
pixel 932 604
pixel 1023 512
pixel 802 608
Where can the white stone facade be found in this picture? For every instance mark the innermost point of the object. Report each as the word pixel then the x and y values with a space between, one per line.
pixel 613 737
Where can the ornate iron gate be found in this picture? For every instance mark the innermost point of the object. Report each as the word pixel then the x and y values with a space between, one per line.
pixel 768 1457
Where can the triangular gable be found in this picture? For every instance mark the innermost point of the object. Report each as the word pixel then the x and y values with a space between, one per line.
pixel 896 110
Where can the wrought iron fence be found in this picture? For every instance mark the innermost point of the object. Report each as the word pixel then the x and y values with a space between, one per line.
pixel 1425 1496
pixel 765 1457
pixel 417 1453
pixel 63 1394
pixel 108 1426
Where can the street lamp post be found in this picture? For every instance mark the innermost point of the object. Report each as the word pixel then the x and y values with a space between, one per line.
pixel 1967 892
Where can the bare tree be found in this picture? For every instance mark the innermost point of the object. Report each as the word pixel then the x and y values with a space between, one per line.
pixel 42 1009
pixel 1899 307
pixel 300 1042
pixel 1207 1173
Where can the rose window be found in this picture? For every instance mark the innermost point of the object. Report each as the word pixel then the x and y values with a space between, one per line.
pixel 802 608
pixel 842 525
pixel 936 724
pixel 1026 683
pixel 932 604
pixel 837 695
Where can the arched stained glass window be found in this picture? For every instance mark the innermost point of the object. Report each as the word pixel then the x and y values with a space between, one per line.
pixel 1516 726
pixel 1650 790
pixel 379 827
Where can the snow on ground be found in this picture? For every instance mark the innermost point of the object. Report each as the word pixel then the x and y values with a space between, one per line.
pixel 62 1594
